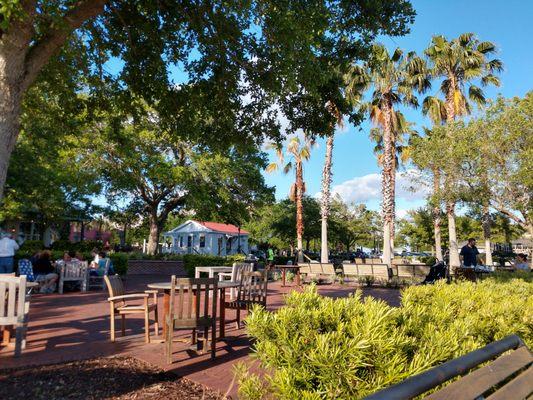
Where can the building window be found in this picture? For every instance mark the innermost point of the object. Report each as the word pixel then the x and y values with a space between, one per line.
pixel 181 241
pixel 202 241
pixel 189 241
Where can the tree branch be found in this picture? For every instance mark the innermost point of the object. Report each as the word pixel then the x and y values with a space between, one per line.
pixel 45 48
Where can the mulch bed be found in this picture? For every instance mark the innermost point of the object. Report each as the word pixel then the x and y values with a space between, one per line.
pixel 101 378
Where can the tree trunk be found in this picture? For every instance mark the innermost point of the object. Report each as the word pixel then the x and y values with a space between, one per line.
pixel 454 248
pixel 326 199
pixel 12 56
pixel 299 210
pixel 153 237
pixel 437 215
pixel 387 183
pixel 487 222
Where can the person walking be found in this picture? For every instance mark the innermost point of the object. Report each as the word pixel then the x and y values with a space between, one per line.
pixel 270 258
pixel 8 247
pixel 469 253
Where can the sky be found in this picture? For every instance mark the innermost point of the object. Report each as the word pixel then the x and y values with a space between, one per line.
pixel 508 24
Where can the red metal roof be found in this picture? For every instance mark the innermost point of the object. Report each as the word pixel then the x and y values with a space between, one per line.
pixel 222 228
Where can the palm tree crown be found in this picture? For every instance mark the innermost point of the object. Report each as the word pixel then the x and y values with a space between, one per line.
pixel 459 62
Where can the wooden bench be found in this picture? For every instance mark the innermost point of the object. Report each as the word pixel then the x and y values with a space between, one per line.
pixel 507 377
pixel 378 271
pixel 410 271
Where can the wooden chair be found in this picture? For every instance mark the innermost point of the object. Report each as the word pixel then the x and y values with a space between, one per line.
pixel 118 306
pixel 98 280
pixel 235 275
pixel 305 270
pixel 350 270
pixel 328 272
pixel 482 376
pixel 186 294
pixel 381 271
pixel 14 308
pixel 252 290
pixel 74 271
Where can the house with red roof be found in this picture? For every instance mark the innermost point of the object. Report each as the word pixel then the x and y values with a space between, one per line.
pixel 200 237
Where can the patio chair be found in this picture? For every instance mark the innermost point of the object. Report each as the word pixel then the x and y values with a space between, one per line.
pixel 252 290
pixel 235 275
pixel 74 271
pixel 118 305
pixel 98 280
pixel 14 308
pixel 186 293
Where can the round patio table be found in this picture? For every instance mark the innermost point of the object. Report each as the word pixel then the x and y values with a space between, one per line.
pixel 221 287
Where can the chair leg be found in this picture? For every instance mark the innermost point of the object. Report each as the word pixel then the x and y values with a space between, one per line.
pixel 168 342
pixel 238 324
pixel 20 339
pixel 146 326
pixel 213 341
pixel 123 324
pixel 112 321
pixel 156 316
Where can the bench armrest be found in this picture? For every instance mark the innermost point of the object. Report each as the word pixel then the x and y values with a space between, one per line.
pixel 128 296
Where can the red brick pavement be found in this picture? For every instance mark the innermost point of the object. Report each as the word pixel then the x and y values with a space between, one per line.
pixel 75 326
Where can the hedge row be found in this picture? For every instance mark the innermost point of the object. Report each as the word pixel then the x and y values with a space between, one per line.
pixel 322 348
pixel 120 260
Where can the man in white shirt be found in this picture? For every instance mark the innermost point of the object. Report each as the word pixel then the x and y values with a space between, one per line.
pixel 7 252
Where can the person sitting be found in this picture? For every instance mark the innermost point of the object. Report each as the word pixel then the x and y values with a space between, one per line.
pixel 67 257
pixel 99 268
pixel 45 273
pixel 521 263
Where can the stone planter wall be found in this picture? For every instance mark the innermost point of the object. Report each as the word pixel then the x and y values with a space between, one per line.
pixel 156 267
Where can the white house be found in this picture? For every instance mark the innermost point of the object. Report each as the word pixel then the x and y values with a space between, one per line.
pixel 195 237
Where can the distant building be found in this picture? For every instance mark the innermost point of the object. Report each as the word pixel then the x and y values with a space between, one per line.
pixel 195 237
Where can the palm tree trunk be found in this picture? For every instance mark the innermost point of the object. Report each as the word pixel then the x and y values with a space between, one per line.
pixel 452 233
pixel 326 199
pixel 387 183
pixel 487 234
pixel 436 215
pixel 299 210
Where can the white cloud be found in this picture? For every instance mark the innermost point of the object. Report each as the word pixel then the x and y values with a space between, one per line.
pixel 362 189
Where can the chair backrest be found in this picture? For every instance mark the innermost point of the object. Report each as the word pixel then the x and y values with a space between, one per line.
pixel 253 287
pixel 365 270
pixel 26 268
pixel 380 271
pixel 315 268
pixel 350 269
pixel 421 270
pixel 114 285
pixel 74 269
pixel 186 306
pixel 328 269
pixel 238 269
pixel 359 260
pixel 396 261
pixel 405 271
pixel 304 268
pixel 13 305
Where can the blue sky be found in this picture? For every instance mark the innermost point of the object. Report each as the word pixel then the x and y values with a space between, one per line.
pixel 506 23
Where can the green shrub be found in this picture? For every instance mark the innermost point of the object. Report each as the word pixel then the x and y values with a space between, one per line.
pixel 120 262
pixel 366 280
pixel 323 348
pixel 428 260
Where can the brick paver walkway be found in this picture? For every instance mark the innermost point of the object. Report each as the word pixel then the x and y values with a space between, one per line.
pixel 75 326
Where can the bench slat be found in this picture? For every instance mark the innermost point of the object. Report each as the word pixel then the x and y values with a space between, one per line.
pixel 517 389
pixel 479 381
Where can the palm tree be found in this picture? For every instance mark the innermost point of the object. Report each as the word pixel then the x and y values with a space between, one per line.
pixel 299 152
pixel 393 79
pixel 459 62
pixel 326 183
pixel 401 150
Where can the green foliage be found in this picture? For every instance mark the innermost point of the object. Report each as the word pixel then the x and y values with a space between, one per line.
pixel 323 348
pixel 120 262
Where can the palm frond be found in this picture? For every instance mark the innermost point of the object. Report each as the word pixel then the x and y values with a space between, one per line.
pixel 287 167
pixel 476 95
pixel 272 167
